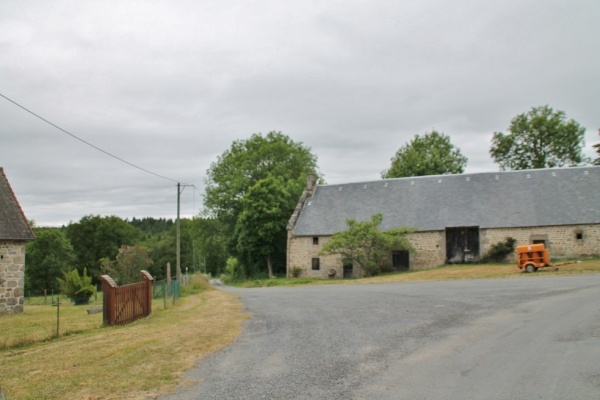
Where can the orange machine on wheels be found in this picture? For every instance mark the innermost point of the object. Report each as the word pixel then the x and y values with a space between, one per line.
pixel 534 256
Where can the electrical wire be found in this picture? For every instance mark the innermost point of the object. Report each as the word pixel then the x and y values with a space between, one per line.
pixel 88 143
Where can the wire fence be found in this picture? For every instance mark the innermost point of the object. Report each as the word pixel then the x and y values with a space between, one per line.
pixel 165 290
pixel 49 315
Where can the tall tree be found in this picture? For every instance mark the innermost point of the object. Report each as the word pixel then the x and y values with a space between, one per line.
pixel 430 154
pixel 95 237
pixel 163 249
pixel 261 227
pixel 247 162
pixel 540 138
pixel 209 245
pixel 48 257
pixel 366 245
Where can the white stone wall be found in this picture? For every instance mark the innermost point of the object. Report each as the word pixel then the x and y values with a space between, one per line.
pixel 572 241
pixel 12 272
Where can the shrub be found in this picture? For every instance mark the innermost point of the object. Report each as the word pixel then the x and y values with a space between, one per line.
pixel 77 288
pixel 233 269
pixel 500 251
pixel 296 272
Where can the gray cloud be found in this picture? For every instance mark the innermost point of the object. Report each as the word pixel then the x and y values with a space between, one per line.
pixel 169 85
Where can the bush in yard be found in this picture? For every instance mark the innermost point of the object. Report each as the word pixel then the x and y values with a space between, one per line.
pixel 296 272
pixel 500 251
pixel 77 288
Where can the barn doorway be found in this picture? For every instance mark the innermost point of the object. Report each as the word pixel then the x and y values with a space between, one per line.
pixel 400 260
pixel 462 244
pixel 348 269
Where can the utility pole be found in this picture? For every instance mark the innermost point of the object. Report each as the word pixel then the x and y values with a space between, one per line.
pixel 180 188
pixel 178 241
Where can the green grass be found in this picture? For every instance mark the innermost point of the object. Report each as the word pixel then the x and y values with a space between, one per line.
pixel 39 322
pixel 445 272
pixel 137 361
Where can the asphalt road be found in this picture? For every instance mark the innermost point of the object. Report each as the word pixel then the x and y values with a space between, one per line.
pixel 524 338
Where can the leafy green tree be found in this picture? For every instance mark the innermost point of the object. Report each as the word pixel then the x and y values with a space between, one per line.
pixel 366 245
pixel 247 162
pixel 152 226
pixel 48 257
pixel 540 138
pixel 430 154
pixel 261 227
pixel 128 263
pixel 162 251
pixel 77 288
pixel 243 165
pixel 95 237
pixel 209 245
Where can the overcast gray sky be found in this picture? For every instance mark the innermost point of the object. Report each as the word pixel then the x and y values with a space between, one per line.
pixel 169 85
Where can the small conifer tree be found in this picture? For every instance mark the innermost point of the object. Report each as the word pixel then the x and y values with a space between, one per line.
pixel 77 288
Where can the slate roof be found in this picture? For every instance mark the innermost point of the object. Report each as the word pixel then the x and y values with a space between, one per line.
pixel 540 197
pixel 13 224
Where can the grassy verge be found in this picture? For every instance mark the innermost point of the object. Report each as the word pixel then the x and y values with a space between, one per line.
pixel 39 322
pixel 136 361
pixel 147 358
pixel 446 272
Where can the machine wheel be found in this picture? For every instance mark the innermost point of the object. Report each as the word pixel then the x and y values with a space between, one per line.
pixel 529 268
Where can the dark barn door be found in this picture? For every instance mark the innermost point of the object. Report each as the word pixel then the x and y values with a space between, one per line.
pixel 400 260
pixel 348 269
pixel 462 244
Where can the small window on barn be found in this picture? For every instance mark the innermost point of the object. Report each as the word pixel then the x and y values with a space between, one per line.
pixel 316 263
pixel 579 235
pixel 315 240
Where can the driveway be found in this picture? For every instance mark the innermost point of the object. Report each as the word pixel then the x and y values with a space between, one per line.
pixel 524 338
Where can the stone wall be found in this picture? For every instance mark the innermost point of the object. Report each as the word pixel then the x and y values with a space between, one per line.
pixel 430 249
pixel 12 276
pixel 302 250
pixel 569 241
pixel 572 241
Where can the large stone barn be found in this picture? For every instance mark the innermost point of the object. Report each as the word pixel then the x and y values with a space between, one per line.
pixel 14 232
pixel 458 217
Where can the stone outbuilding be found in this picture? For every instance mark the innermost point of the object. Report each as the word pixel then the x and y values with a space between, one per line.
pixel 458 217
pixel 14 233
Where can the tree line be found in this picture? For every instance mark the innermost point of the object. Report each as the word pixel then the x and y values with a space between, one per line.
pixel 251 192
pixel 120 248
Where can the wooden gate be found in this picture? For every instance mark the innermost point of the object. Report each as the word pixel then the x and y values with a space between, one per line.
pixel 125 304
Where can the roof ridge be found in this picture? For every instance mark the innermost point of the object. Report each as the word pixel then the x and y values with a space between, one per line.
pixel 472 174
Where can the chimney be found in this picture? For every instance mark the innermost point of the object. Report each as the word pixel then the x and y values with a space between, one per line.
pixel 311 180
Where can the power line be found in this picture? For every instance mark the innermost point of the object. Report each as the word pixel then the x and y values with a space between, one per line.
pixel 88 143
